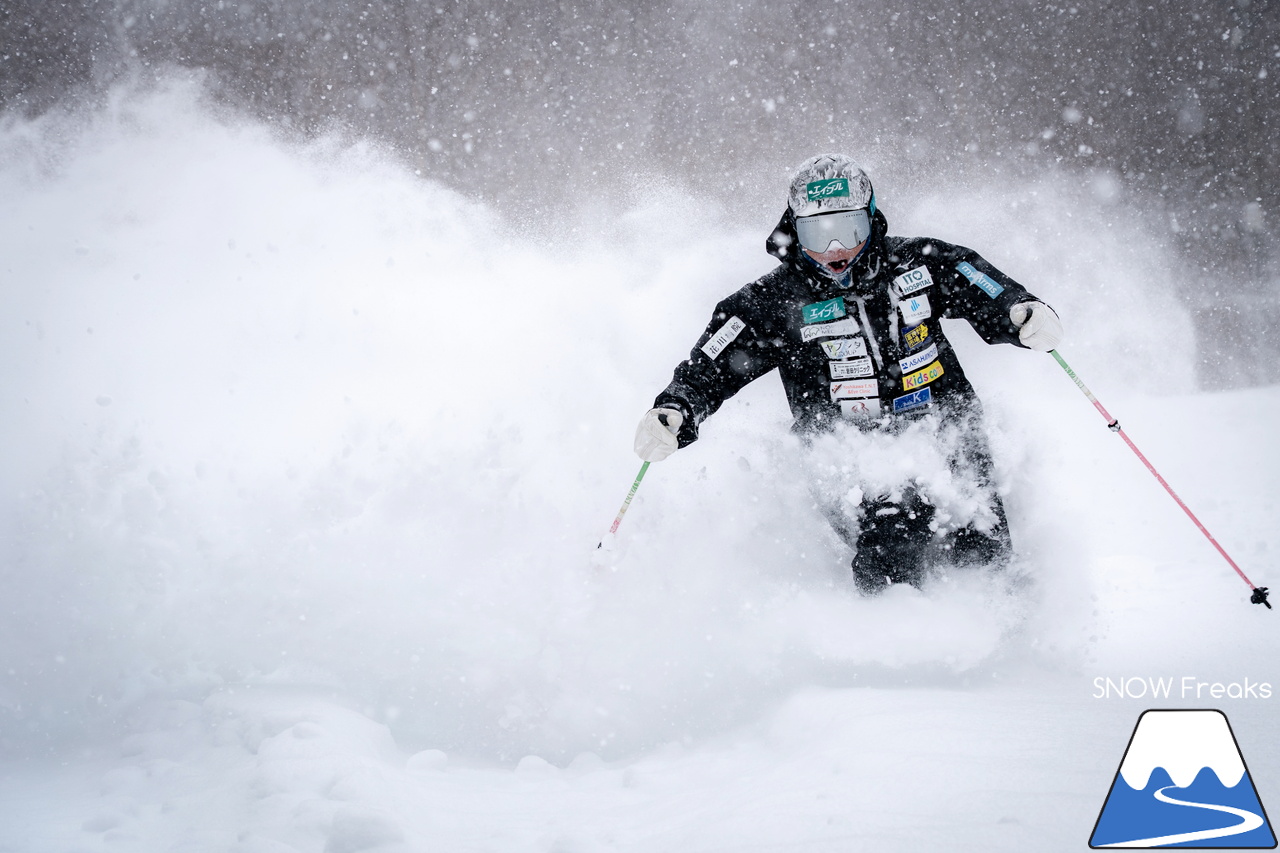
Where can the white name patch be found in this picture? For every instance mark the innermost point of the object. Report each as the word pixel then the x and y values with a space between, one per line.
pixel 724 337
pixel 856 388
pixel 855 369
pixel 915 362
pixel 847 326
pixel 913 280
pixel 845 348
pixel 915 309
pixel 859 409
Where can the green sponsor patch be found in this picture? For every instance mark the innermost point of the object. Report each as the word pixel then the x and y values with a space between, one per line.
pixel 833 188
pixel 820 312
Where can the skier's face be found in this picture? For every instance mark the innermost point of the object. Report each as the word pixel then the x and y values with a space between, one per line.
pixel 837 260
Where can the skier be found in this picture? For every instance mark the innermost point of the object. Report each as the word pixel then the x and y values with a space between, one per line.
pixel 850 321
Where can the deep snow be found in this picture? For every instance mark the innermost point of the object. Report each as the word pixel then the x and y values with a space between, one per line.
pixel 306 458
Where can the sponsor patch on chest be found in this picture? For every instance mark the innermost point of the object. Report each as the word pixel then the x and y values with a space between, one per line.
pixel 845 348
pixel 847 326
pixel 914 400
pixel 821 312
pixel 922 377
pixel 862 409
pixel 724 337
pixel 919 360
pixel 855 369
pixel 915 337
pixel 914 280
pixel 915 309
pixel 855 388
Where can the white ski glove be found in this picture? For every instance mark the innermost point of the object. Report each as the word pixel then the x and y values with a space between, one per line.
pixel 1038 326
pixel 656 435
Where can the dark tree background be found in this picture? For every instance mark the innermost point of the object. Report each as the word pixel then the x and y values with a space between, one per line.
pixel 531 104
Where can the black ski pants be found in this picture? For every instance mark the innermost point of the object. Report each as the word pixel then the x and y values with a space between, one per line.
pixel 893 538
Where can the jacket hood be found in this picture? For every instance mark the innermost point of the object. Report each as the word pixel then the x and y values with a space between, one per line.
pixel 784 245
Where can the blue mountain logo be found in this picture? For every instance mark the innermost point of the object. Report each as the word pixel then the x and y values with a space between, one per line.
pixel 1183 783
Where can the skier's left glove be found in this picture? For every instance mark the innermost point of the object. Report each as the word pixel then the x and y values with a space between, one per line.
pixel 656 434
pixel 1038 326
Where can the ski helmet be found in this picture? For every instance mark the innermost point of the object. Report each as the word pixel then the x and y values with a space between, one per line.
pixel 830 182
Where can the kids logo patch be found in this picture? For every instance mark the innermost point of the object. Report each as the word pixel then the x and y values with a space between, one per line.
pixel 1182 783
pixel 920 378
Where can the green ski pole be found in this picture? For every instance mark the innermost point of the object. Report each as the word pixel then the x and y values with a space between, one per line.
pixel 631 494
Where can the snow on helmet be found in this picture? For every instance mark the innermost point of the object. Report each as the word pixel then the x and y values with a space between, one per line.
pixel 830 182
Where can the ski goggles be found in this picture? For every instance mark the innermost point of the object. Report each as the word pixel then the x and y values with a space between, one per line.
pixel 849 228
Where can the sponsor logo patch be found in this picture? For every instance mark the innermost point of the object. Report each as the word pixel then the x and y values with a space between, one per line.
pixel 912 280
pixel 866 407
pixel 856 388
pixel 980 280
pixel 724 337
pixel 920 359
pixel 922 377
pixel 820 312
pixel 914 400
pixel 834 188
pixel 915 337
pixel 855 369
pixel 847 326
pixel 845 348
pixel 915 309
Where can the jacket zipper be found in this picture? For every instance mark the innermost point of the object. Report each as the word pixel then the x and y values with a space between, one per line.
pixel 870 333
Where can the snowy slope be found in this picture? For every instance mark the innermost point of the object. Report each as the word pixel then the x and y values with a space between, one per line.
pixel 307 458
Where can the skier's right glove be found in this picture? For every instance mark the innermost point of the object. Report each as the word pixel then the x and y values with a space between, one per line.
pixel 656 435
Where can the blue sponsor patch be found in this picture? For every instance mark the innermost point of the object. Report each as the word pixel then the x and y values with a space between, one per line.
pixel 914 400
pixel 980 280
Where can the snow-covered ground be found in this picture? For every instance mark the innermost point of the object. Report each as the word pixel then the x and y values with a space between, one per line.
pixel 305 459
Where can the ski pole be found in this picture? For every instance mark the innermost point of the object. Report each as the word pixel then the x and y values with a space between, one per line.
pixel 631 494
pixel 1259 593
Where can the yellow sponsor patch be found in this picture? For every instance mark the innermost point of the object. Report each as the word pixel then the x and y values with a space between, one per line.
pixel 922 377
pixel 914 337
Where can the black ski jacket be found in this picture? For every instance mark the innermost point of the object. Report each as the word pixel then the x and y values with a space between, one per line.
pixel 869 354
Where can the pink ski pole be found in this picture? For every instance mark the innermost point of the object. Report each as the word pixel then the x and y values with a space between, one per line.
pixel 1259 593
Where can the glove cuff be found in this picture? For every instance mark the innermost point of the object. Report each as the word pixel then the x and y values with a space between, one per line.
pixel 688 432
